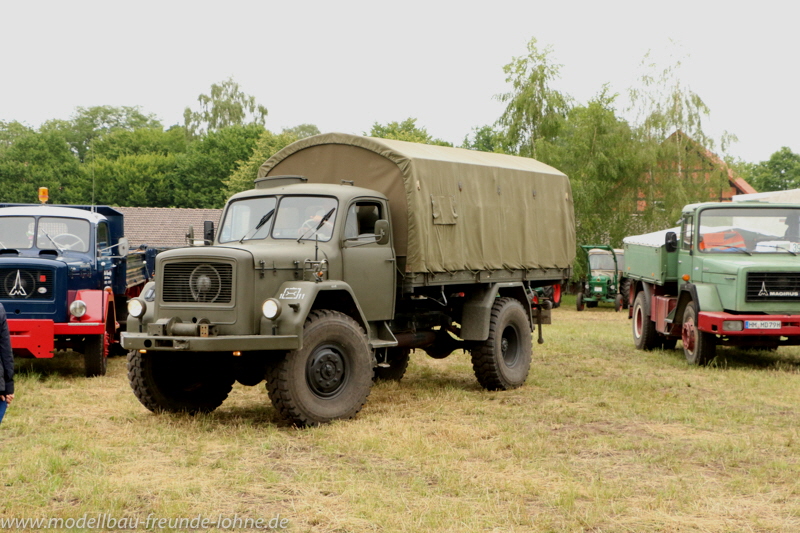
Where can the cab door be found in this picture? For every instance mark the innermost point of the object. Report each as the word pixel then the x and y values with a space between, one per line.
pixel 369 267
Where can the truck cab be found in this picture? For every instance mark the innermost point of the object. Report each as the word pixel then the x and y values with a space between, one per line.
pixel 60 269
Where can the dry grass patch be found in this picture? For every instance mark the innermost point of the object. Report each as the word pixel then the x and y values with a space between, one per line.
pixel 601 438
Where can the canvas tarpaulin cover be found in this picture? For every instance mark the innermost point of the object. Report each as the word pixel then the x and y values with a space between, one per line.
pixel 452 209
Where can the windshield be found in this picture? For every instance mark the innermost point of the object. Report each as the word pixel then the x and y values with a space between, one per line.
pixel 767 230
pixel 290 217
pixel 601 262
pixel 52 233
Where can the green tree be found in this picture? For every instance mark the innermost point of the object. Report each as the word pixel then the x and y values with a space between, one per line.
pixel 268 144
pixel 135 180
pixel 405 131
pixel 534 110
pixel 225 106
pixel 91 123
pixel 140 141
pixel 779 173
pixel 41 159
pixel 302 131
pixel 487 139
pixel 202 172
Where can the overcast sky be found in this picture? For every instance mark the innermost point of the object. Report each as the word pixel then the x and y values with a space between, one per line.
pixel 344 65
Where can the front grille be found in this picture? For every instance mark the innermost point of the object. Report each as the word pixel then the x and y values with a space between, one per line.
pixel 198 282
pixel 26 284
pixel 773 287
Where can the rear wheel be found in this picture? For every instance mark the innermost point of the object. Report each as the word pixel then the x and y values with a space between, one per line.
pixel 699 347
pixel 617 302
pixel 502 362
pixel 329 378
pixel 579 302
pixel 180 382
pixel 625 291
pixel 645 336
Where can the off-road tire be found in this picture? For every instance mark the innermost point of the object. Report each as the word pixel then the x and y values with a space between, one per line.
pixel 617 303
pixel 579 302
pixel 95 355
pixel 180 382
pixel 699 347
pixel 503 361
pixel 645 336
pixel 329 378
pixel 398 363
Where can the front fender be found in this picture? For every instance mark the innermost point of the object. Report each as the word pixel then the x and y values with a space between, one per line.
pixel 298 298
pixel 97 302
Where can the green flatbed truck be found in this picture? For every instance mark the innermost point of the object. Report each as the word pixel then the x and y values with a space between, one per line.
pixel 348 253
pixel 729 275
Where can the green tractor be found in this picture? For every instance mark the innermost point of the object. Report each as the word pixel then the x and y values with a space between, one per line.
pixel 605 281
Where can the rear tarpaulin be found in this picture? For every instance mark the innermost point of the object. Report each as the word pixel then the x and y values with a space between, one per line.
pixel 452 209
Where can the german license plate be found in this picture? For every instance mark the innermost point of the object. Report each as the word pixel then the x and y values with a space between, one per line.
pixel 762 324
pixel 598 289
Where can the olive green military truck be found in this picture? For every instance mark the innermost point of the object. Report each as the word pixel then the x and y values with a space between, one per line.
pixel 729 275
pixel 348 253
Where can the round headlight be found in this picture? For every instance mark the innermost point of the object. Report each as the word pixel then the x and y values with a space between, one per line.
pixel 77 308
pixel 136 307
pixel 271 309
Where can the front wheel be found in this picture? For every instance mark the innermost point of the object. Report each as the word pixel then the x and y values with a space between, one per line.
pixel 617 302
pixel 645 336
pixel 579 302
pixel 329 378
pixel 699 347
pixel 180 382
pixel 95 355
pixel 502 361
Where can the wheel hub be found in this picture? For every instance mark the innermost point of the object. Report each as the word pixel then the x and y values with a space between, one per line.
pixel 509 346
pixel 325 372
pixel 688 335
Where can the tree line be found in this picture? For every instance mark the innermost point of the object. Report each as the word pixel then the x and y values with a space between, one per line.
pixel 629 170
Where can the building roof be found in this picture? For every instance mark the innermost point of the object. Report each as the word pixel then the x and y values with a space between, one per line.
pixel 164 227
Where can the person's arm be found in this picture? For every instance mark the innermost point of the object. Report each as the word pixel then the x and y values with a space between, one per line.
pixel 6 356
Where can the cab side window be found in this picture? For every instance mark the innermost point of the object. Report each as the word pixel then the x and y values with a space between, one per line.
pixel 103 240
pixel 361 218
pixel 687 233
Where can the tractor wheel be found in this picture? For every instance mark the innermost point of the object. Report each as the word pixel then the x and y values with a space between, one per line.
pixel 699 347
pixel 625 291
pixel 645 336
pixel 502 361
pixel 329 378
pixel 180 382
pixel 398 363
pixel 617 302
pixel 579 302
pixel 95 355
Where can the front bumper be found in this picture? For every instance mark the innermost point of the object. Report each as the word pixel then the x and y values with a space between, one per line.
pixel 36 337
pixel 222 343
pixel 712 322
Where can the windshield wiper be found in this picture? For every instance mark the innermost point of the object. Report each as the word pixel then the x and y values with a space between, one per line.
pixel 261 222
pixel 777 247
pixel 43 232
pixel 321 223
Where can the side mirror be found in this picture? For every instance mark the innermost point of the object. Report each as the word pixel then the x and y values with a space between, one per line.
pixel 190 236
pixel 208 232
pixel 382 231
pixel 671 241
pixel 124 246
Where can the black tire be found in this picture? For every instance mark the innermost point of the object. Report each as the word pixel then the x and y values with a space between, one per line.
pixel 617 303
pixel 645 336
pixel 625 291
pixel 503 361
pixel 329 378
pixel 95 355
pixel 699 347
pixel 398 363
pixel 579 302
pixel 180 382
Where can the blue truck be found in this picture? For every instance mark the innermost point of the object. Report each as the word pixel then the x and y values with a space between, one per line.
pixel 66 273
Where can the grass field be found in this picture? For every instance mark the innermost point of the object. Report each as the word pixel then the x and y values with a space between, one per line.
pixel 602 438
